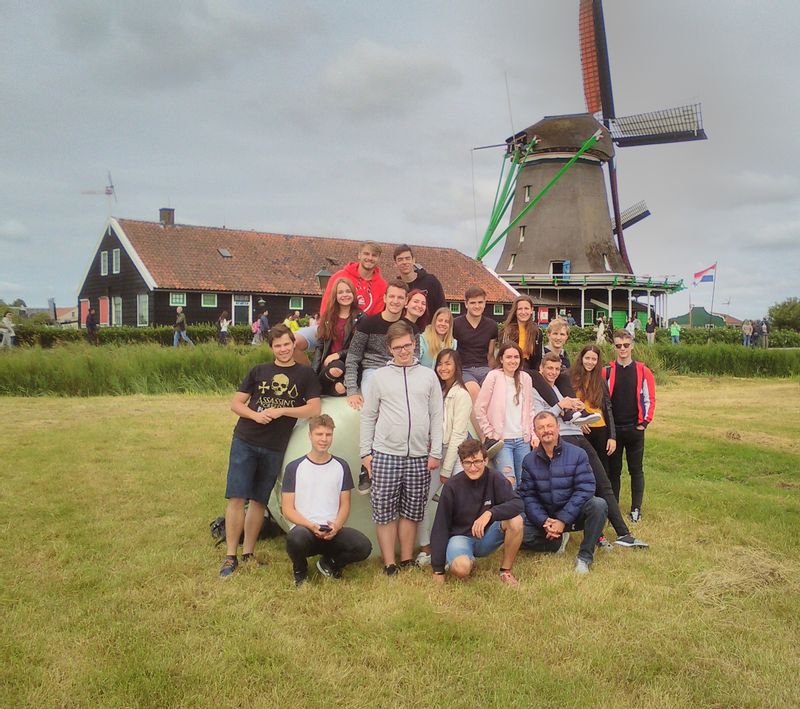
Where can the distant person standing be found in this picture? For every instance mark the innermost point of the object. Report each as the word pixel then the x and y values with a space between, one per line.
pixel 222 324
pixel 180 329
pixel 650 331
pixel 765 334
pixel 7 332
pixel 747 332
pixel 675 332
pixel 630 326
pixel 292 321
pixel 600 328
pixel 91 326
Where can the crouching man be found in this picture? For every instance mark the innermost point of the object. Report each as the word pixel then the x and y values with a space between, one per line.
pixel 478 513
pixel 315 498
pixel 557 489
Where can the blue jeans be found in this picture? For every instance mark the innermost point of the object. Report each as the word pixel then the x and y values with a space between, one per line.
pixel 746 340
pixel 509 459
pixel 591 520
pixel 676 339
pixel 181 335
pixel 492 540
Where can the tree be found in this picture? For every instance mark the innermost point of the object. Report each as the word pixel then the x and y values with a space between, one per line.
pixel 19 303
pixel 786 315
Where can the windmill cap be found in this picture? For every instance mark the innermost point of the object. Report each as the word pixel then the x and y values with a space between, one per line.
pixel 569 133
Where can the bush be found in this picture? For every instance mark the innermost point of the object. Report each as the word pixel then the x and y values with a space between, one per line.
pixel 729 359
pixel 83 370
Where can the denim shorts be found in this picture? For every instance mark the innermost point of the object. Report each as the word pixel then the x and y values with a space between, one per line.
pixel 492 540
pixel 475 374
pixel 252 471
pixel 310 334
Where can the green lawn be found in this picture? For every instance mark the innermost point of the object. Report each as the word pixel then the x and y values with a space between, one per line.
pixel 110 597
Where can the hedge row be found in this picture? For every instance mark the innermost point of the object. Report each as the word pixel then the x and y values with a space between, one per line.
pixel 697 336
pixel 732 360
pixel 45 336
pixel 81 370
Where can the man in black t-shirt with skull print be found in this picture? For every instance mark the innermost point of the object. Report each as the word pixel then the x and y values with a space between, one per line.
pixel 269 401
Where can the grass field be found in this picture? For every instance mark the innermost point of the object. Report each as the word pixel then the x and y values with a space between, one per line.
pixel 110 596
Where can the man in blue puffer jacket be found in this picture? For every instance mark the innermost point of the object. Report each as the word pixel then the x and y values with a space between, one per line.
pixel 558 491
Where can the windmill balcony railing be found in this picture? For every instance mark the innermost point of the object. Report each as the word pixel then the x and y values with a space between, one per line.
pixel 595 280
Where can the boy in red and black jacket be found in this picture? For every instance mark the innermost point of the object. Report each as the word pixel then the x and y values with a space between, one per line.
pixel 633 401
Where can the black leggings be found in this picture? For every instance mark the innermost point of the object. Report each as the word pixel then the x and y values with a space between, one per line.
pixel 327 381
pixel 598 437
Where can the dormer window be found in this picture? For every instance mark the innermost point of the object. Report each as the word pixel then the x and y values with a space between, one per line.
pixel 224 253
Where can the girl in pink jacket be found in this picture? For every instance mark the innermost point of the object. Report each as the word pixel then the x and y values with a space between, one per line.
pixel 504 410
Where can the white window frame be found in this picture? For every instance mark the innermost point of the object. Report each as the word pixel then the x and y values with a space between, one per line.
pixel 522 234
pixel 293 302
pixel 115 261
pixel 177 299
pixel 115 301
pixel 498 309
pixel 455 308
pixel 142 313
pixel 527 193
pixel 204 304
pixel 104 263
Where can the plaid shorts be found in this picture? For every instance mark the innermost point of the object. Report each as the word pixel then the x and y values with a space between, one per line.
pixel 399 486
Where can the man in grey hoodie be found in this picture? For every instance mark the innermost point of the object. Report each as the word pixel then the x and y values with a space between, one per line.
pixel 401 442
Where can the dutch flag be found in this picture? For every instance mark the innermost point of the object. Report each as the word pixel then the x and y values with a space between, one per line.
pixel 706 275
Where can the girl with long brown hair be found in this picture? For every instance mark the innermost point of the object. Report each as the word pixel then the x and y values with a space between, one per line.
pixel 590 387
pixel 520 328
pixel 504 411
pixel 337 323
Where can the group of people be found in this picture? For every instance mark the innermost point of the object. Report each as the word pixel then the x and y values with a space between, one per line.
pixel 518 447
pixel 755 333
pixel 7 330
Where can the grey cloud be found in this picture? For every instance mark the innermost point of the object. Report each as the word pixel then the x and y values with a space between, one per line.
pixel 749 187
pixel 775 237
pixel 13 230
pixel 373 79
pixel 167 45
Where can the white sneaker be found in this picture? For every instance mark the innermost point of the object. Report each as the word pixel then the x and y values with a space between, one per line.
pixel 564 540
pixel 584 419
pixel 581 567
pixel 423 559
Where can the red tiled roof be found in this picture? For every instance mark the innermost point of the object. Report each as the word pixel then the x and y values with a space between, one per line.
pixel 184 257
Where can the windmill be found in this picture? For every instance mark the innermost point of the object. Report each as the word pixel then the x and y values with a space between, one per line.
pixel 109 191
pixel 561 231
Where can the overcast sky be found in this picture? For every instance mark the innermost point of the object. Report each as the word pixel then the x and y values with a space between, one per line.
pixel 357 119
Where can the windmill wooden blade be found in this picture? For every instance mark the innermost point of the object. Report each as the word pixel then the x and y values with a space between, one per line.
pixel 633 214
pixel 671 125
pixel 594 59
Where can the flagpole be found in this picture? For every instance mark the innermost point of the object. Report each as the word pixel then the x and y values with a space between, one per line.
pixel 713 290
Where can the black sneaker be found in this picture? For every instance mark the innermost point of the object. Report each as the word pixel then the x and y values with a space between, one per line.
pixel 251 559
pixel 492 446
pixel 635 515
pixel 300 578
pixel 391 570
pixel 408 564
pixel 628 540
pixel 327 568
pixel 230 565
pixel 364 483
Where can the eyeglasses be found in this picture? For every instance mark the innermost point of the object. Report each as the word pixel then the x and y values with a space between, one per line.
pixel 622 345
pixel 402 348
pixel 473 463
